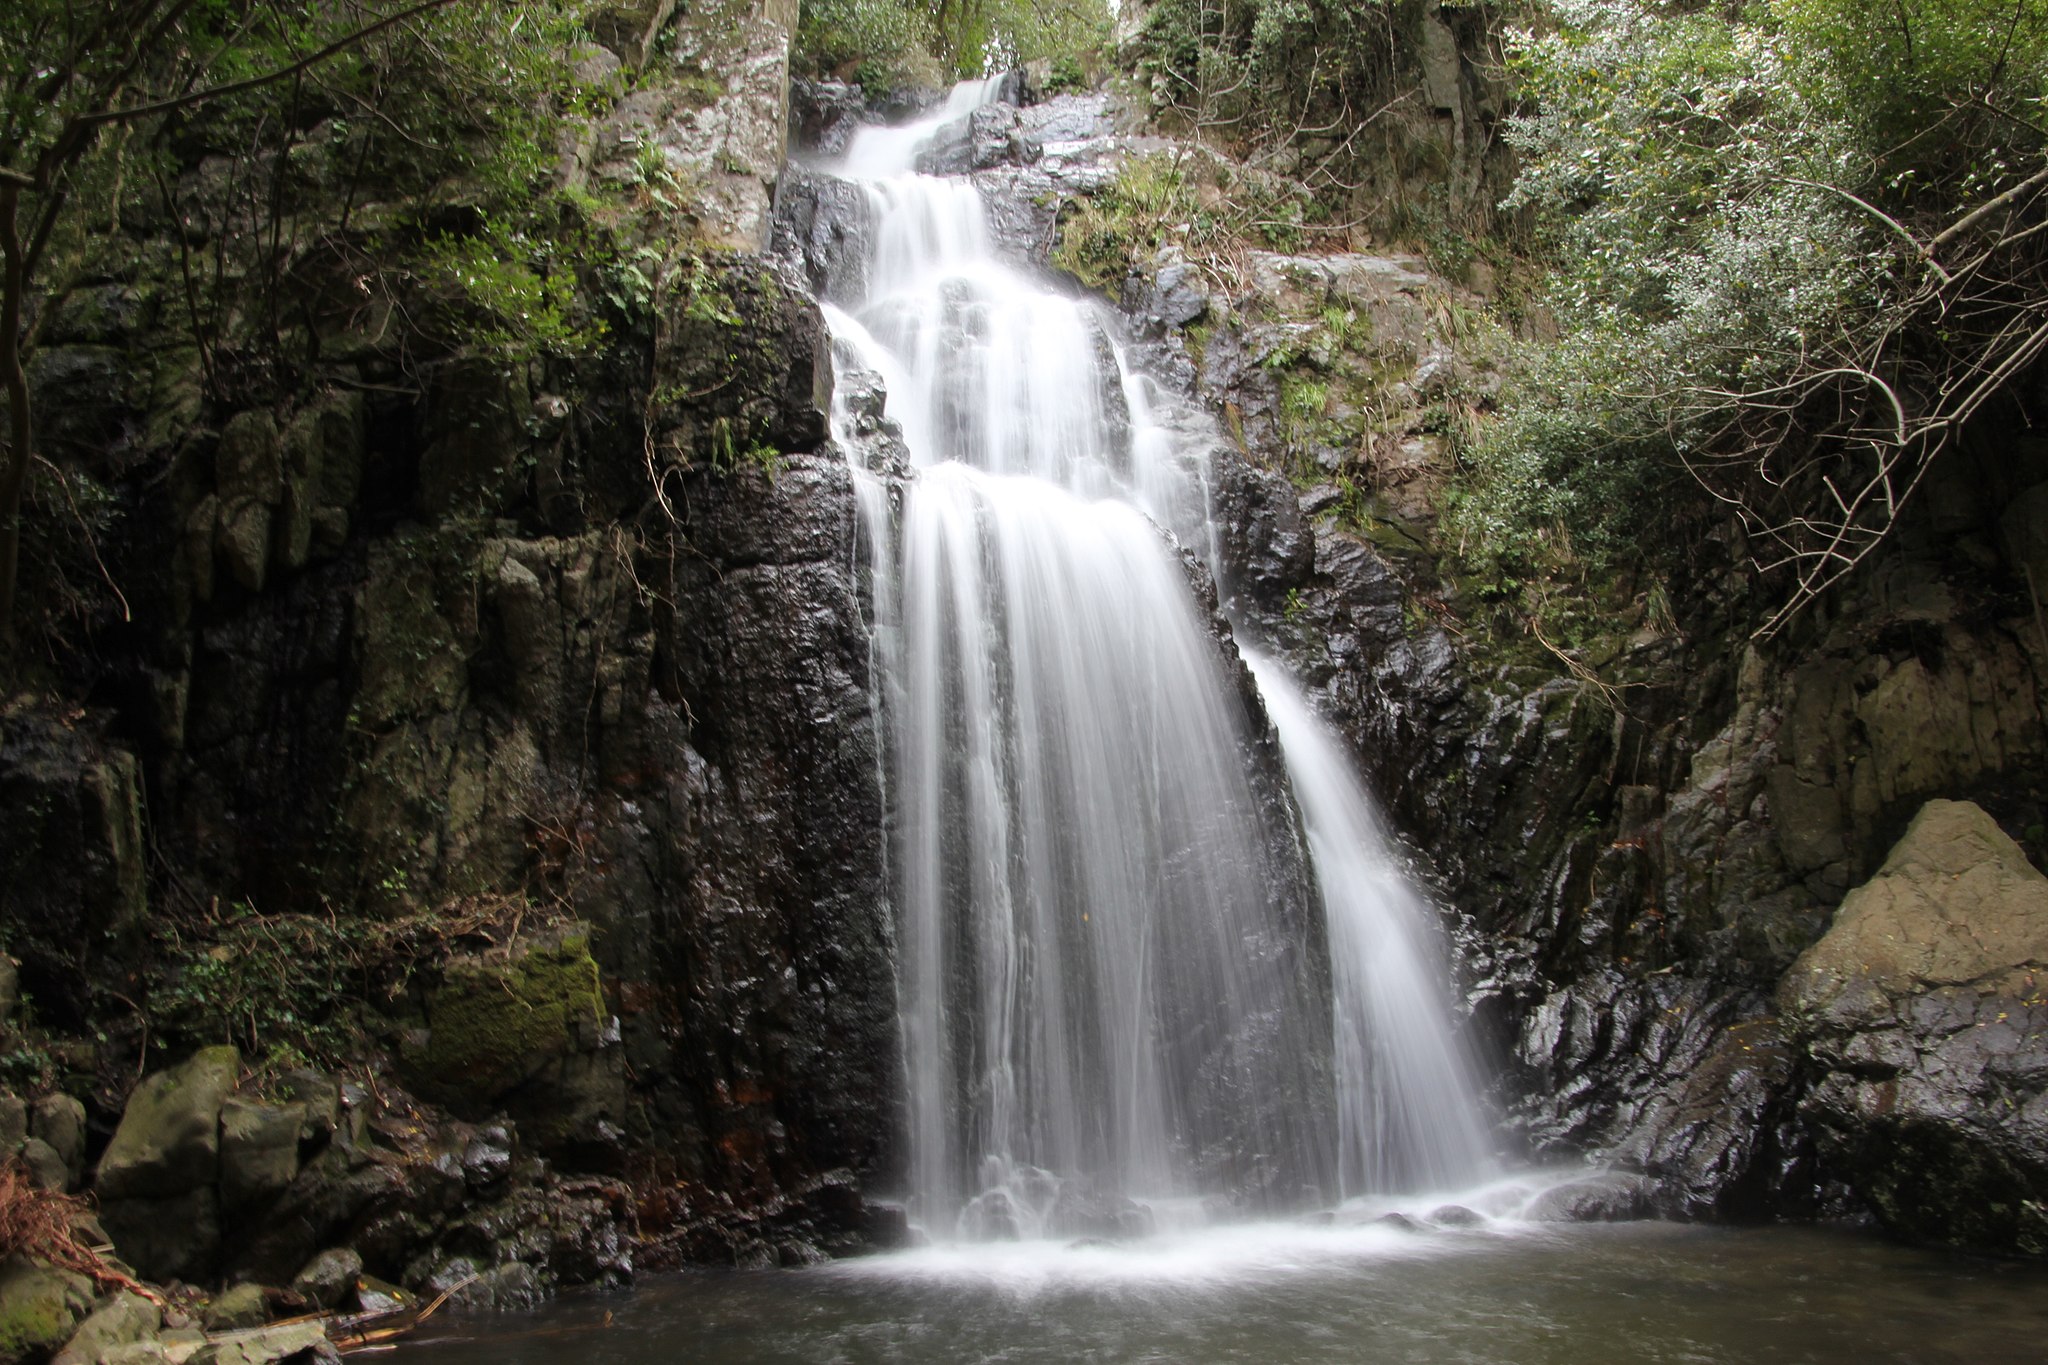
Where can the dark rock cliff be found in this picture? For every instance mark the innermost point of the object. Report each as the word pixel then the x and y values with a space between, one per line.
pixel 1631 859
pixel 527 705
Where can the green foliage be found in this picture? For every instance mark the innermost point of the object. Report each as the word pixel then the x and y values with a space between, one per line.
pixel 1254 67
pixel 883 44
pixel 1170 199
pixel 1731 208
pixel 888 45
pixel 1150 199
pixel 260 982
pixel 516 293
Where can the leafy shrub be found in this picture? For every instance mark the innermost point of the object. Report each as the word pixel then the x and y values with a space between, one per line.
pixel 1739 215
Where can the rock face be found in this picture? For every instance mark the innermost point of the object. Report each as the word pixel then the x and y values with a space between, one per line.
pixel 1923 1012
pixel 1626 875
pixel 72 883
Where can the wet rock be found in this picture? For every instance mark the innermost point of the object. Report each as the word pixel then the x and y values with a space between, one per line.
pixel 330 1195
pixel 1398 1222
pixel 329 1278
pixel 1268 547
pixel 1173 295
pixel 124 1319
pixel 244 1305
pixel 528 1034
pixel 1614 1198
pixel 487 1160
pixel 824 115
pixel 1454 1216
pixel 1921 1006
pixel 1082 1212
pixel 823 221
pixel 40 1307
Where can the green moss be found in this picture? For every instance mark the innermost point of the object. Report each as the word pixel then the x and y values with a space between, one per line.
pixel 38 1308
pixel 492 1023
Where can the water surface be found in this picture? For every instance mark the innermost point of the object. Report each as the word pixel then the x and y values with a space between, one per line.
pixel 1627 1294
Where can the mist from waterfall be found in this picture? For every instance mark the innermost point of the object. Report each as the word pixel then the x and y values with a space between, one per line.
pixel 1111 970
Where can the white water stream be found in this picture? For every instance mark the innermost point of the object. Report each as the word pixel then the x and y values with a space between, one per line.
pixel 1110 1019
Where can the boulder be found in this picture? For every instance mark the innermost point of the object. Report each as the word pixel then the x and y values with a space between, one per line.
pixel 529 1035
pixel 45 1168
pixel 1923 1014
pixel 59 1120
pixel 174 1238
pixel 40 1307
pixel 1615 1197
pixel 168 1141
pixel 13 1123
pixel 73 889
pixel 259 1150
pixel 265 1345
pixel 328 1278
pixel 122 1320
pixel 244 1305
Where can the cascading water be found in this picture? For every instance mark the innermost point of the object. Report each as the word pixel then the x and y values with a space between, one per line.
pixel 1111 975
pixel 1407 1115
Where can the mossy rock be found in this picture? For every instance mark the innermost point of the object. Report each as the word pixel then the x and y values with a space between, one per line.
pixel 497 1023
pixel 40 1306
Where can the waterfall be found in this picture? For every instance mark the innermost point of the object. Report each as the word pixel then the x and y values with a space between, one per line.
pixel 1408 1119
pixel 1113 974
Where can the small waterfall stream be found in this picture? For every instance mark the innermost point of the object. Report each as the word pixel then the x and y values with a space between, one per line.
pixel 1112 972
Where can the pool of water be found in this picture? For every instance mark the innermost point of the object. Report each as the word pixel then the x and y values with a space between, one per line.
pixel 1502 1293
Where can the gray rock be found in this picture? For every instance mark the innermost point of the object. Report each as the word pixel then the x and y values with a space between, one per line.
pixel 259 1150
pixel 168 1141
pixel 123 1319
pixel 60 1121
pixel 265 1345
pixel 45 1167
pixel 243 1305
pixel 329 1278
pixel 1921 1009
pixel 1615 1198
pixel 133 1353
pixel 172 1238
pixel 13 1123
pixel 40 1307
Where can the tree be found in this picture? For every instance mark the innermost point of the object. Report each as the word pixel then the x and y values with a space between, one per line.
pixel 74 71
pixel 1794 253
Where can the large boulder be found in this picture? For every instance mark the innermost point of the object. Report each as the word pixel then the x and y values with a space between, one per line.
pixel 259 1150
pixel 39 1307
pixel 168 1142
pixel 526 1033
pixel 1922 1010
pixel 122 1320
pixel 158 1179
